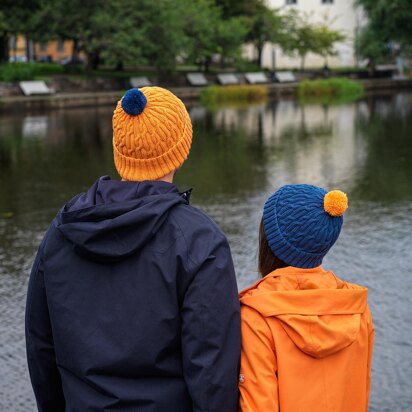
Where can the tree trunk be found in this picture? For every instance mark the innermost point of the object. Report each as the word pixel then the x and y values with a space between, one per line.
pixel 119 66
pixel 302 62
pixel 93 60
pixel 259 48
pixel 371 68
pixel 75 51
pixel 4 48
pixel 207 64
pixel 29 49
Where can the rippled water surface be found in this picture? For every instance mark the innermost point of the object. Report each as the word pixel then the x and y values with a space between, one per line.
pixel 239 156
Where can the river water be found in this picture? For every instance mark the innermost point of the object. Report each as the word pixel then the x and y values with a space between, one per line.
pixel 239 156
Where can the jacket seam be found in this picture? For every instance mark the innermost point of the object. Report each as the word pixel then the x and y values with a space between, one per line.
pixel 35 270
pixel 184 238
pixel 201 314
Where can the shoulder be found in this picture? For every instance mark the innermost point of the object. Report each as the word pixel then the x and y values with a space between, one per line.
pixel 255 325
pixel 202 235
pixel 195 222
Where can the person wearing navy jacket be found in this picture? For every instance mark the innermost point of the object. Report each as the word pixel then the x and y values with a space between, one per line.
pixel 132 300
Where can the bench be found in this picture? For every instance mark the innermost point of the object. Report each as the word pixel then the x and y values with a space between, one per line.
pixel 35 87
pixel 196 79
pixel 227 78
pixel 285 77
pixel 256 78
pixel 139 82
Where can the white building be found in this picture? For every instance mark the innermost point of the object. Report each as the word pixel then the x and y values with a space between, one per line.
pixel 340 15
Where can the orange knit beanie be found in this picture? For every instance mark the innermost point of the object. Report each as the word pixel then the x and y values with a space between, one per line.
pixel 152 134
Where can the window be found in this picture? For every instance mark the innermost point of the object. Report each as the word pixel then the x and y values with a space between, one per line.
pixel 13 43
pixel 327 1
pixel 43 46
pixel 291 1
pixel 60 46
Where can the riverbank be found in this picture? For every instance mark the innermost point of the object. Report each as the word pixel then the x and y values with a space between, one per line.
pixel 188 94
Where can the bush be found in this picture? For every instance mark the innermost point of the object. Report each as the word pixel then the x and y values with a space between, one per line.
pixel 243 66
pixel 334 87
pixel 228 94
pixel 348 70
pixel 27 71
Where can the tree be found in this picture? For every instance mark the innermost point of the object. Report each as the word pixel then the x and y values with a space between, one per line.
pixel 208 34
pixel 302 37
pixel 230 37
pixel 16 17
pixel 389 24
pixel 165 38
pixel 390 19
pixel 4 41
pixel 326 39
pixel 305 37
pixel 115 30
pixel 264 25
pixel 236 8
pixel 72 20
pixel 370 45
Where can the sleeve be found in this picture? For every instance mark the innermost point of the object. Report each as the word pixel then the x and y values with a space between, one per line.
pixel 371 338
pixel 44 375
pixel 258 382
pixel 211 333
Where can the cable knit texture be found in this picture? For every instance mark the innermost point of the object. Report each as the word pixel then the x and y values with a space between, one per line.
pixel 298 229
pixel 153 138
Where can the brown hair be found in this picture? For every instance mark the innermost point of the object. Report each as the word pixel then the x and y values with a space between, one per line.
pixel 268 262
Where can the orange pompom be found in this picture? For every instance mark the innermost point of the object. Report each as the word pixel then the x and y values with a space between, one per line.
pixel 335 203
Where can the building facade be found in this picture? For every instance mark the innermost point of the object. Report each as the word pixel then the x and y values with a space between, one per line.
pixel 340 15
pixel 22 50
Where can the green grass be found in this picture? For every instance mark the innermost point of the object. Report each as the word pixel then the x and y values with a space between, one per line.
pixel 345 70
pixel 331 90
pixel 28 71
pixel 215 95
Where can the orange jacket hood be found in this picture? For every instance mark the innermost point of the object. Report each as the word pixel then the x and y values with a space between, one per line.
pixel 320 313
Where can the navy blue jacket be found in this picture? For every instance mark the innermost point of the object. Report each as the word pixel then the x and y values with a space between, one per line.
pixel 132 306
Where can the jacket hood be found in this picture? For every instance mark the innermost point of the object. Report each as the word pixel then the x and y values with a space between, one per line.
pixel 320 313
pixel 114 219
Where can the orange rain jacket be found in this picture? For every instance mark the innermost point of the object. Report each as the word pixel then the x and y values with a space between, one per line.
pixel 307 340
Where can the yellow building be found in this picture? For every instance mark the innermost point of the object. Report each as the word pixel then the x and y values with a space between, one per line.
pixel 22 49
pixel 55 50
pixel 18 48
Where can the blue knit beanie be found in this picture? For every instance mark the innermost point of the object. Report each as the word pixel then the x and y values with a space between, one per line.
pixel 302 222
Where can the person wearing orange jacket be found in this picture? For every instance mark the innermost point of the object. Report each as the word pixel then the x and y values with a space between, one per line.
pixel 307 336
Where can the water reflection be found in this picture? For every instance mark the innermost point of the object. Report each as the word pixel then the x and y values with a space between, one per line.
pixel 239 156
pixel 34 126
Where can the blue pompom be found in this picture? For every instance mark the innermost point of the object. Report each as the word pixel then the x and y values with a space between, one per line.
pixel 134 102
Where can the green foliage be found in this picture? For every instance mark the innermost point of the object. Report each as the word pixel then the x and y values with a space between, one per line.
pixel 164 37
pixel 325 40
pixel 370 45
pixel 348 70
pixel 27 71
pixel 335 89
pixel 215 95
pixel 389 20
pixel 208 34
pixel 306 37
pixel 244 66
pixel 389 29
pixel 18 14
pixel 4 27
pixel 230 37
pixel 236 8
pixel 264 25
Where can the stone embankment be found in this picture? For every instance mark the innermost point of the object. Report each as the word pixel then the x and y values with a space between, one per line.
pixel 108 97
